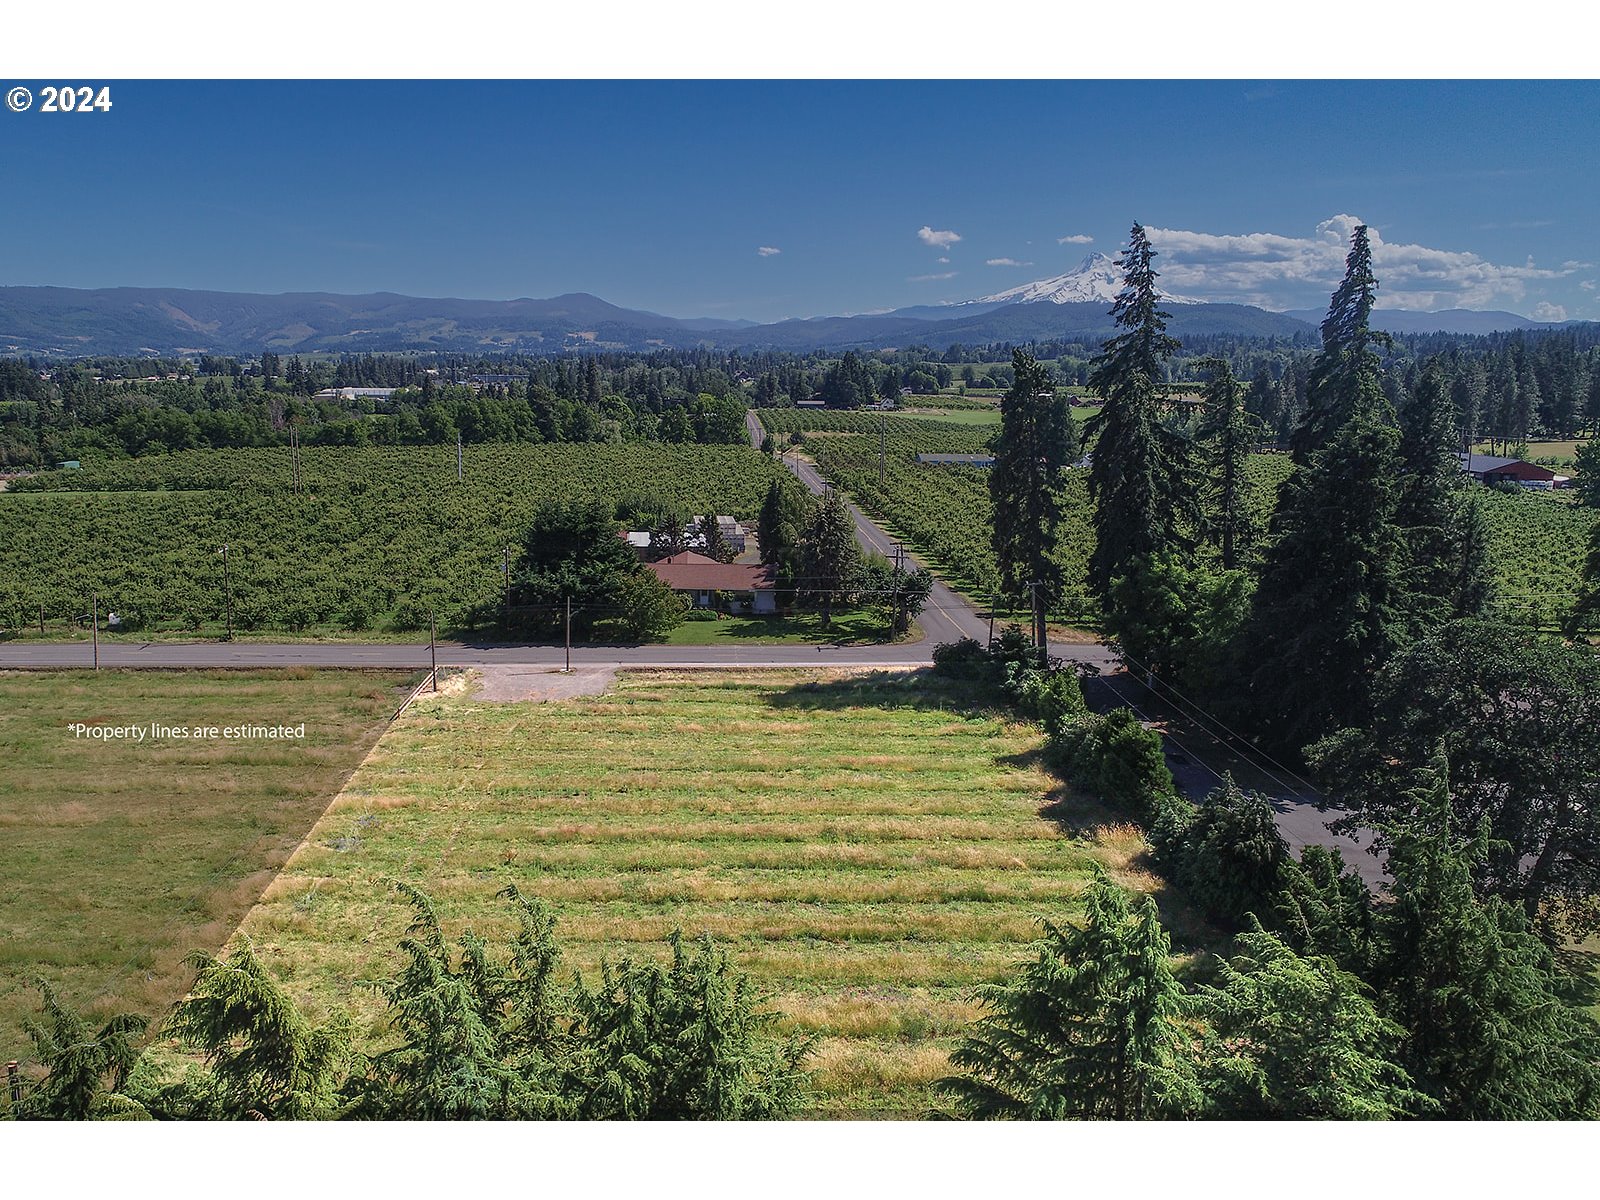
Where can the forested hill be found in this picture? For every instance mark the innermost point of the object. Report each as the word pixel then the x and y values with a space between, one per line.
pixel 68 322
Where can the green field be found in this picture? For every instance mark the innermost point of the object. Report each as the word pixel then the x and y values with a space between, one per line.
pixel 868 848
pixel 121 857
pixel 1539 540
pixel 376 540
pixel 854 628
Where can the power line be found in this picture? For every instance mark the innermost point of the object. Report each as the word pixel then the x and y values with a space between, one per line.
pixel 1193 709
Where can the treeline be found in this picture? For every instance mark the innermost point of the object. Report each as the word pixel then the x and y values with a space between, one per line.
pixel 1350 635
pixel 1328 1004
pixel 475 1031
pixel 70 414
pixel 1504 390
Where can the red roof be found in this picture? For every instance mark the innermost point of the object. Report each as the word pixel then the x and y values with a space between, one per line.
pixel 691 572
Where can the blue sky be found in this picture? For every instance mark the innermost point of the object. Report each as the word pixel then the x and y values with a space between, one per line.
pixel 661 195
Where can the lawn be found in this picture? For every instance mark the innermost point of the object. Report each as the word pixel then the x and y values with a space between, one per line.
pixel 847 629
pixel 121 857
pixel 956 416
pixel 868 846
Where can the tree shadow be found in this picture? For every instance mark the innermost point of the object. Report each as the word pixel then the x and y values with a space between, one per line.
pixel 1578 984
pixel 918 690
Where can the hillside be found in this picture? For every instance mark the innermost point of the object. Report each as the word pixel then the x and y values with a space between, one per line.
pixel 69 322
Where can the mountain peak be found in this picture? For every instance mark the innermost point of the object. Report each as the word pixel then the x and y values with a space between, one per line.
pixel 1096 280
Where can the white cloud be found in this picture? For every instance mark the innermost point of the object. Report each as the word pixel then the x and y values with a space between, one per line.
pixel 944 258
pixel 1274 270
pixel 1587 285
pixel 1005 262
pixel 1074 239
pixel 942 238
pixel 767 251
pixel 932 278
pixel 1545 311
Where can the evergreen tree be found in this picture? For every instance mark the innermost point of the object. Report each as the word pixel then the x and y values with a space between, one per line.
pixel 785 513
pixel 830 554
pixel 475 1039
pixel 688 1041
pixel 264 1059
pixel 1295 1038
pixel 1324 908
pixel 1227 434
pixel 1332 603
pixel 1446 570
pixel 1525 412
pixel 1490 1035
pixel 1329 610
pixel 1472 588
pixel 1091 1028
pixel 1139 477
pixel 89 1069
pixel 716 546
pixel 1586 610
pixel 670 534
pixel 1344 378
pixel 1229 858
pixel 1037 440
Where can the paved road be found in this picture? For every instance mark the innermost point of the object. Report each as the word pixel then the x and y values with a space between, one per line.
pixel 947 617
pixel 349 654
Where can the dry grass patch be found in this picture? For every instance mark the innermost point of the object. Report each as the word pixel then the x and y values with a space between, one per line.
pixel 870 848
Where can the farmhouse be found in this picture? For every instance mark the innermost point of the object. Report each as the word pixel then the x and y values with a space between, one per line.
pixel 700 579
pixel 1488 468
pixel 956 460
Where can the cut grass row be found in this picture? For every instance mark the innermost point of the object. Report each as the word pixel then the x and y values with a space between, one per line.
pixel 868 847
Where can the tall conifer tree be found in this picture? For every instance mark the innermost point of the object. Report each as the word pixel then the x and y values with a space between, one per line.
pixel 1348 364
pixel 1139 475
pixel 1227 433
pixel 1037 439
pixel 1331 605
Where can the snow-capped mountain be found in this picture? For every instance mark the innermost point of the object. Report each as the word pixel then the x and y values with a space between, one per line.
pixel 1097 279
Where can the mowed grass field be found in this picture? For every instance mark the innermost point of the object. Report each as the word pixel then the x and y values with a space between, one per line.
pixel 119 858
pixel 866 846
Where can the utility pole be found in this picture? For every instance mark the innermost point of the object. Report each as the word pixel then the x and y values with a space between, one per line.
pixel 505 609
pixel 1039 630
pixel 94 628
pixel 433 650
pixel 569 636
pixel 994 603
pixel 227 589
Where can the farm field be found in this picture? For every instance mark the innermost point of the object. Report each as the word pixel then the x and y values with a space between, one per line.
pixel 944 513
pixel 867 847
pixel 377 539
pixel 121 857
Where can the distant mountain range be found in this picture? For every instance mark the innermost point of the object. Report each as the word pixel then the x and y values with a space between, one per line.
pixel 1448 320
pixel 68 322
